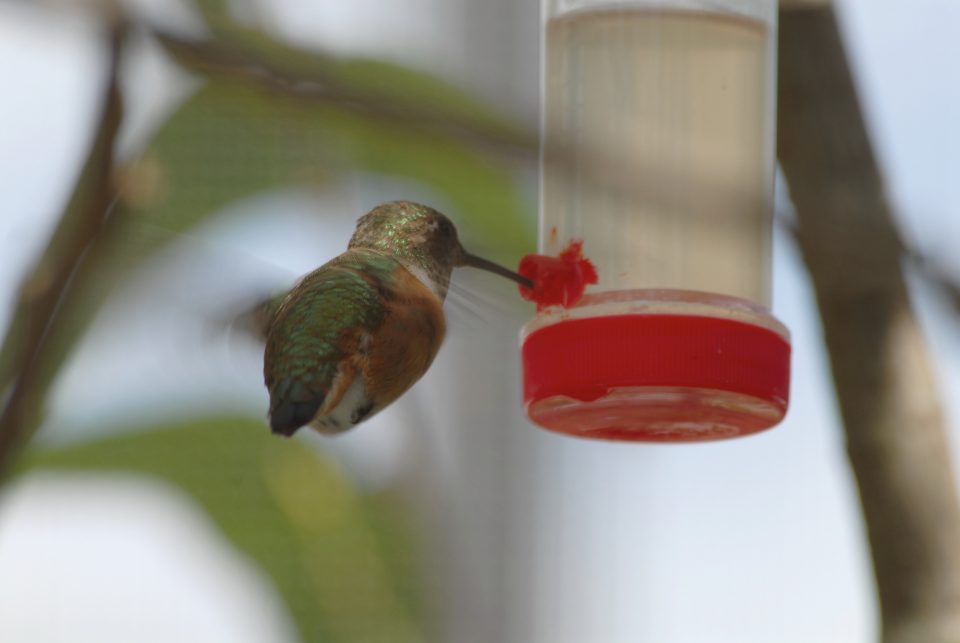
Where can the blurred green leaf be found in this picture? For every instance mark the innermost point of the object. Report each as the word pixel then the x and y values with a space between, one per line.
pixel 217 15
pixel 224 144
pixel 213 10
pixel 236 137
pixel 272 115
pixel 339 559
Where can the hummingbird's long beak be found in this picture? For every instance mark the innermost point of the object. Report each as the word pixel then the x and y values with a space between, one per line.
pixel 484 264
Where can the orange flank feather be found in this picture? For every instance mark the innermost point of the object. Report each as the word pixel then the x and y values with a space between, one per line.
pixel 406 343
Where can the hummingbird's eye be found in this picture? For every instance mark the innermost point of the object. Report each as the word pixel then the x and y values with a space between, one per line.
pixel 446 228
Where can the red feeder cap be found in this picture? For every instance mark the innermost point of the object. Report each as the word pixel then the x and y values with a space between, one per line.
pixel 653 377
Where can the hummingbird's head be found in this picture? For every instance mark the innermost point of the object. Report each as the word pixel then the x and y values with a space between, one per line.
pixel 422 239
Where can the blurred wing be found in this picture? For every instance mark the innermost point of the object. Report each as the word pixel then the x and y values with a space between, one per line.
pixel 255 319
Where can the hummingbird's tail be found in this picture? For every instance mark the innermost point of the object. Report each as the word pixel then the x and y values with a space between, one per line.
pixel 287 417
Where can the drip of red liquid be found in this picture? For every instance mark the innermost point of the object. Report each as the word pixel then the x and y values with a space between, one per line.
pixel 557 280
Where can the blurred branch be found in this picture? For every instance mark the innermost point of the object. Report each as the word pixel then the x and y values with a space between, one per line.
pixel 938 277
pixel 895 432
pixel 55 279
pixel 217 57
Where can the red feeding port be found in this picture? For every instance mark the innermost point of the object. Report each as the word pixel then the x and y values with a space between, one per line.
pixel 557 280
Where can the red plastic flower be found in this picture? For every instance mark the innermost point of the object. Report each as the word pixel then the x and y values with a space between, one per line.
pixel 557 280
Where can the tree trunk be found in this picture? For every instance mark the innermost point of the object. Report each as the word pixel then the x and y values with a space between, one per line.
pixel 895 433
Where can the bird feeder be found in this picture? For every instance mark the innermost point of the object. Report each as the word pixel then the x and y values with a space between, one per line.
pixel 657 166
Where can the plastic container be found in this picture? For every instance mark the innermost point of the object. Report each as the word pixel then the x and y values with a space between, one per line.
pixel 659 127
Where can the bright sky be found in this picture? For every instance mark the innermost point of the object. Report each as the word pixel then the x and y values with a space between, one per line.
pixel 749 541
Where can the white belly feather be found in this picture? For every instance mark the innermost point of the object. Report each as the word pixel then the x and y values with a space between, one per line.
pixel 344 415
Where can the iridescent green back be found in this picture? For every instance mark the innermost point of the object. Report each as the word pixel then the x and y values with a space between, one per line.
pixel 307 336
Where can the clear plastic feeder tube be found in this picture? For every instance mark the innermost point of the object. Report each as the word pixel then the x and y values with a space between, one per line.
pixel 658 153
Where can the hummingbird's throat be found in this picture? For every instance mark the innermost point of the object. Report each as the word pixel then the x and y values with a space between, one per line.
pixel 438 281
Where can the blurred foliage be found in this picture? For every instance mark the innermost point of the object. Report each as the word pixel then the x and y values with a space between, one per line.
pixel 216 13
pixel 236 137
pixel 340 559
pixel 231 140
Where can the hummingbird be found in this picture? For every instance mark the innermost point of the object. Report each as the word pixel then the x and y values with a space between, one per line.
pixel 357 332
